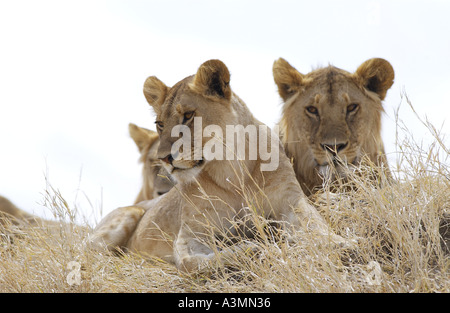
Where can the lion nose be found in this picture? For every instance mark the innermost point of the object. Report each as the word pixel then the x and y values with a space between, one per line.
pixel 168 159
pixel 335 148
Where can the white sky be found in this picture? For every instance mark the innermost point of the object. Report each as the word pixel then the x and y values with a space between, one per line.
pixel 71 76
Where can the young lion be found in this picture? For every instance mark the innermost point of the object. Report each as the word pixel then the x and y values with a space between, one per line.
pixel 331 117
pixel 211 194
pixel 156 180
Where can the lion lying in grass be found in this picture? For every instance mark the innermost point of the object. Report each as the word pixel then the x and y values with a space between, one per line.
pixel 331 124
pixel 331 119
pixel 212 196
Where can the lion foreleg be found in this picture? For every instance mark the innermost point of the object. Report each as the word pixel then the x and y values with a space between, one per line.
pixel 192 255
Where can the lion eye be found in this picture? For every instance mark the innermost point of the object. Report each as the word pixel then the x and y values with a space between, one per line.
pixel 187 116
pixel 159 125
pixel 312 109
pixel 352 107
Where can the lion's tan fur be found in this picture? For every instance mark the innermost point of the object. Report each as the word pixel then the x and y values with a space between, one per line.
pixel 210 195
pixel 320 120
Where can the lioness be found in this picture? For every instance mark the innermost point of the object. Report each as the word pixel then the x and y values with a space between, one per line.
pixel 210 192
pixel 156 180
pixel 332 118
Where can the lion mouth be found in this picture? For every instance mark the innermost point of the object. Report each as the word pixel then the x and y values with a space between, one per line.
pixel 196 164
pixel 336 162
pixel 335 168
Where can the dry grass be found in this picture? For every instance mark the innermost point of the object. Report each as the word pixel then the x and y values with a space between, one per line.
pixel 400 247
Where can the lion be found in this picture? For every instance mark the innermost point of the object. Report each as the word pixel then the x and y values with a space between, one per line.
pixel 156 180
pixel 331 119
pixel 212 195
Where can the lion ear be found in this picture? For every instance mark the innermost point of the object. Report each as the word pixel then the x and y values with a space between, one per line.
pixel 287 78
pixel 144 138
pixel 212 79
pixel 155 92
pixel 376 75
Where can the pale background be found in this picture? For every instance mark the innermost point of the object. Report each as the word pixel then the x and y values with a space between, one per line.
pixel 71 76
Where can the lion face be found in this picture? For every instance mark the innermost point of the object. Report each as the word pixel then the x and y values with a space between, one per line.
pixel 156 180
pixel 332 118
pixel 184 111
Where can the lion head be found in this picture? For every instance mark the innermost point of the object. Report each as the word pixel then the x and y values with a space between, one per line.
pixel 191 108
pixel 156 180
pixel 332 118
